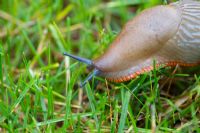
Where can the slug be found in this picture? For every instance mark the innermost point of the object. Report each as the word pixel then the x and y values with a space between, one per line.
pixel 169 34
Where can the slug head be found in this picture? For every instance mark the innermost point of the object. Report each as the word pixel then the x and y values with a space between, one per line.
pixel 143 39
pixel 89 63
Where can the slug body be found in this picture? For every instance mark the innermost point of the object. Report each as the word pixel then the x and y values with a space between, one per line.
pixel 168 34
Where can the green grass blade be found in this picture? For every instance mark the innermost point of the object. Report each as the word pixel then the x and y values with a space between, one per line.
pixel 1 64
pixel 124 112
pixel 90 95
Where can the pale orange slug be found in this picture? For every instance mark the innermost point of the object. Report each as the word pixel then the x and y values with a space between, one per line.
pixel 169 34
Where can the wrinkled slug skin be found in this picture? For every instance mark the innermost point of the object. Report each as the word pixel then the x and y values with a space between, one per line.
pixel 168 33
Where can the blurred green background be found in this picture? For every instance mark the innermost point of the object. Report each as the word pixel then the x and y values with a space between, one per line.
pixel 40 87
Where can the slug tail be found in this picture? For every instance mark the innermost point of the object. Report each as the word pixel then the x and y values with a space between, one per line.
pixel 84 60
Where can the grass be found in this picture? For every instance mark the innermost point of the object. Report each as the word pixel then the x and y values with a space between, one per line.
pixel 40 87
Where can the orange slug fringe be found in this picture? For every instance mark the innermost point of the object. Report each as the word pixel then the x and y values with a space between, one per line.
pixel 148 69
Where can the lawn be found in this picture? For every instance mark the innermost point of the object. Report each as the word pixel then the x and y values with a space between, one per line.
pixel 40 88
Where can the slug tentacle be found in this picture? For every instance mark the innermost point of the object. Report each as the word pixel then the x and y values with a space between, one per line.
pixel 84 60
pixel 88 62
pixel 94 73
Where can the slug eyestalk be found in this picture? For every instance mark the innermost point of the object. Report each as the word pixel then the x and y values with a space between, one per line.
pixel 89 63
